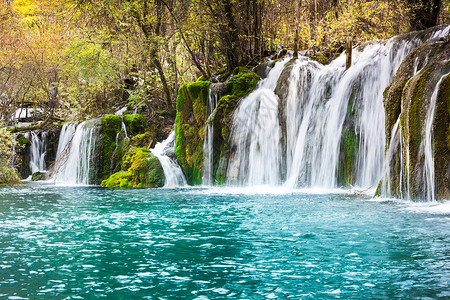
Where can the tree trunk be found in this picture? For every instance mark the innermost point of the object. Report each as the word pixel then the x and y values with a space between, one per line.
pixel 348 51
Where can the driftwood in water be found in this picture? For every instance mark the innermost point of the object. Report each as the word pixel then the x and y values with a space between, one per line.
pixel 360 193
pixel 37 126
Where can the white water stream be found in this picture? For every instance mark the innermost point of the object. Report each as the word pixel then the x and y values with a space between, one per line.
pixel 172 171
pixel 427 145
pixel 76 150
pixel 208 150
pixel 38 151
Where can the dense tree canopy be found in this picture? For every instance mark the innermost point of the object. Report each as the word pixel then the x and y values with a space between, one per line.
pixel 74 59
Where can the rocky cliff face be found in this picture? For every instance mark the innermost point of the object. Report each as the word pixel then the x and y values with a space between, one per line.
pixel 417 110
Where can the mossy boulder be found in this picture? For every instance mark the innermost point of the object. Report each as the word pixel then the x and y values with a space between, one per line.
pixel 36 176
pixel 189 128
pixel 135 124
pixel 192 110
pixel 121 179
pixel 243 84
pixel 143 170
pixel 116 141
pixel 110 127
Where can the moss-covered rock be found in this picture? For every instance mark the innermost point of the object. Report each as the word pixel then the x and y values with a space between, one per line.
pixel 36 176
pixel 441 131
pixel 135 124
pixel 121 179
pixel 189 128
pixel 192 108
pixel 142 170
pixel 347 158
pixel 243 84
pixel 408 97
pixel 142 140
pixel 110 127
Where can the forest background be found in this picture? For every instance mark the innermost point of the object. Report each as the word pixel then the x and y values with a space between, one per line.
pixel 77 59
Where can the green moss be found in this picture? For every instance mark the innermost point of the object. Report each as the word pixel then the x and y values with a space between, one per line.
pixel 143 171
pixel 240 70
pixel 139 167
pixel 415 118
pixel 111 125
pixel 393 105
pixel 202 78
pixel 189 126
pixel 346 170
pixel 141 140
pixel 156 177
pixel 243 84
pixel 441 132
pixel 23 141
pixel 119 180
pixel 135 124
pixel 37 176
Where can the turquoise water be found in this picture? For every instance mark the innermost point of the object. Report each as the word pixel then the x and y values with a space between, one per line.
pixel 93 243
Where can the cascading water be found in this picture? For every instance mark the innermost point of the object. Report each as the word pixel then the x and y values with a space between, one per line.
pixel 208 151
pixel 256 135
pixel 427 145
pixel 38 151
pixel 328 113
pixel 172 171
pixel 75 161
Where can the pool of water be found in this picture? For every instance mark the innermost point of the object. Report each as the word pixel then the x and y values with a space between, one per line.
pixel 93 243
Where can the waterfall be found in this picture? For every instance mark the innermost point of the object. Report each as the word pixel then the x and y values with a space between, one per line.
pixel 38 150
pixel 75 159
pixel 256 135
pixel 300 140
pixel 427 145
pixel 172 171
pixel 391 155
pixel 208 150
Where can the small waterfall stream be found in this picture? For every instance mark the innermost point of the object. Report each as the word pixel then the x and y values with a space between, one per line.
pixel 427 145
pixel 38 151
pixel 208 150
pixel 172 171
pixel 75 161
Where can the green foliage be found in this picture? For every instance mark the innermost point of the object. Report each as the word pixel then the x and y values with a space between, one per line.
pixel 23 141
pixel 8 174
